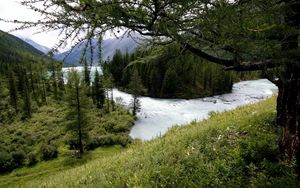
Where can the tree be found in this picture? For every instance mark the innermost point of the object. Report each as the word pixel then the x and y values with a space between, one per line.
pixel 170 82
pixel 86 72
pixel 26 93
pixel 108 85
pixel 98 90
pixel 13 91
pixel 135 88
pixel 240 35
pixel 116 66
pixel 78 103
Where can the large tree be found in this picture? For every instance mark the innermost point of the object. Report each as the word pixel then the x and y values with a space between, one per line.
pixel 78 103
pixel 238 34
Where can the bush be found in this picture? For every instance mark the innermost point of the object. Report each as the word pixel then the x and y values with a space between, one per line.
pixel 123 140
pixel 109 140
pixel 18 158
pixel 48 151
pixel 32 160
pixel 5 161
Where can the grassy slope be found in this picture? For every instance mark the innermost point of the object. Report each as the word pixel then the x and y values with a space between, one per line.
pixel 48 125
pixel 233 149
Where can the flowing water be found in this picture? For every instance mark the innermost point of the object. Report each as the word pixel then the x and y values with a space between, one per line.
pixel 158 115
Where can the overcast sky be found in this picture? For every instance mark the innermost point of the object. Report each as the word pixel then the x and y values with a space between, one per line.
pixel 13 10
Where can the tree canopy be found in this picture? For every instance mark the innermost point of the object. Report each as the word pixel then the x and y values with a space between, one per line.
pixel 221 31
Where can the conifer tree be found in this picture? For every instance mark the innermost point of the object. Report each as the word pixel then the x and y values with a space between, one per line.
pixel 54 82
pixel 13 91
pixel 98 91
pixel 27 103
pixel 86 72
pixel 108 85
pixel 136 88
pixel 78 103
pixel 170 82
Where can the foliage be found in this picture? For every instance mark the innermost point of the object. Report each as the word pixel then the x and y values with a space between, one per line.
pixel 135 87
pixel 98 90
pixel 233 149
pixel 166 71
pixel 33 111
pixel 48 151
pixel 47 125
pixel 78 104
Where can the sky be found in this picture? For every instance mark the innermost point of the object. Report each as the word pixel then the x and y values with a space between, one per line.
pixel 13 10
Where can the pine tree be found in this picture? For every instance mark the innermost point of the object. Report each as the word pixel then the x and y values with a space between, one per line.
pixel 98 91
pixel 86 72
pixel 13 91
pixel 136 88
pixel 108 85
pixel 27 103
pixel 170 83
pixel 54 82
pixel 78 103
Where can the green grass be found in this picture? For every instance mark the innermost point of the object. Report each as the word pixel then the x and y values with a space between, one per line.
pixel 234 149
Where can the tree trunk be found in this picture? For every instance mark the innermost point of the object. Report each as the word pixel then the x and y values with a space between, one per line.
pixel 288 114
pixel 288 102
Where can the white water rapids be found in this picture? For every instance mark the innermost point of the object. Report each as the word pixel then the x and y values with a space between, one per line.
pixel 157 115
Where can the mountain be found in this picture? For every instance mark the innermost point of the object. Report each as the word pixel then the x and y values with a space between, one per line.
pixel 14 49
pixel 39 47
pixel 108 49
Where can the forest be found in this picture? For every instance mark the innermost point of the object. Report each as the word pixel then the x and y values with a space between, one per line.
pixel 169 72
pixel 43 117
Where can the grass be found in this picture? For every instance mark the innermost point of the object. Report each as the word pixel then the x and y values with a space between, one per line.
pixel 233 149
pixel 47 168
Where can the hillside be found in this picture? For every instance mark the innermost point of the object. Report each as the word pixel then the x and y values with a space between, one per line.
pixel 37 46
pixel 108 49
pixel 234 149
pixel 13 49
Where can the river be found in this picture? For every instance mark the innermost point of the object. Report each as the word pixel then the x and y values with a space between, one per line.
pixel 158 115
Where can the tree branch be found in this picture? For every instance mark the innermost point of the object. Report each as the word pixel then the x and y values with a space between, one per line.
pixel 252 66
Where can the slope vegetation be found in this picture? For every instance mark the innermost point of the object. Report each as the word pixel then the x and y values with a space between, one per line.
pixel 15 50
pixel 233 149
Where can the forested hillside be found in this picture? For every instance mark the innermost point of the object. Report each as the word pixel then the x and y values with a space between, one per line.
pixel 168 72
pixel 15 50
pixel 43 117
pixel 108 47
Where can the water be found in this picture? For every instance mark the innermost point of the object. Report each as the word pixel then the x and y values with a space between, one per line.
pixel 158 115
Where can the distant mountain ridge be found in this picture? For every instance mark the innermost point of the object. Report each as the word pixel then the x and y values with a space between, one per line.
pixel 39 47
pixel 14 49
pixel 109 47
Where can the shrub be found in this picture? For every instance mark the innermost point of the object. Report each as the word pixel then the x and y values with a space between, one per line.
pixel 109 140
pixel 73 143
pixel 18 158
pixel 123 140
pixel 32 160
pixel 48 151
pixel 5 161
